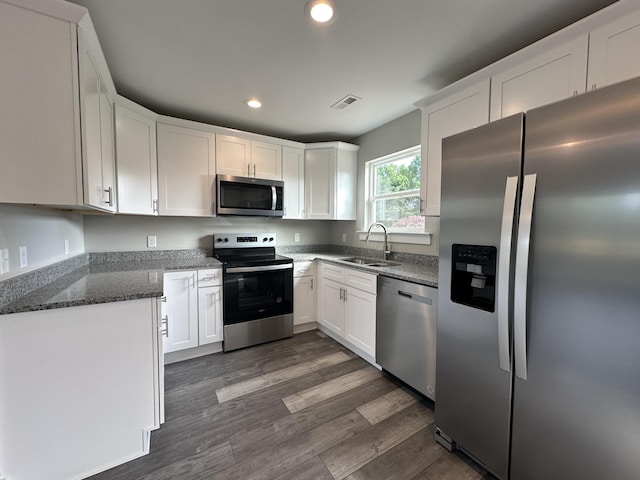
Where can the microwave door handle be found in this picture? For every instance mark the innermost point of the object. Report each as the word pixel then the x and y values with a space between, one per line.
pixel 274 197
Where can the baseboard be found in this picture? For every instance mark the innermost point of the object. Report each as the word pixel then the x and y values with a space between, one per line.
pixel 349 345
pixel 304 327
pixel 189 353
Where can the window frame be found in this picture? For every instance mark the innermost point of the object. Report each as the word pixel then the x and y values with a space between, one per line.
pixel 371 197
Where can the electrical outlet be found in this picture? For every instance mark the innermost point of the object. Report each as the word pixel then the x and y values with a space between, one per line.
pixel 67 248
pixel 24 261
pixel 344 238
pixel 296 237
pixel 153 277
pixel 151 241
pixel 4 260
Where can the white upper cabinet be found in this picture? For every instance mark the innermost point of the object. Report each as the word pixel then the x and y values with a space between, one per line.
pixel 57 117
pixel 248 158
pixel 293 177
pixel 186 171
pixel 613 52
pixel 136 160
pixel 330 181
pixel 555 75
pixel 456 113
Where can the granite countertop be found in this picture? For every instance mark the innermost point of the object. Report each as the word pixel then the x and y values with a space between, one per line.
pixel 424 273
pixel 105 282
pixel 128 278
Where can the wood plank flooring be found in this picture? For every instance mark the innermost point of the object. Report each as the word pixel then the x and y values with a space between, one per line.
pixel 303 408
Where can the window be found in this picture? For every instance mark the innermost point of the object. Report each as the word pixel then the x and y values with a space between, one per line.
pixel 393 191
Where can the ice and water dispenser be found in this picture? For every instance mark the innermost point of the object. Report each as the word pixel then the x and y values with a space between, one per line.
pixel 473 276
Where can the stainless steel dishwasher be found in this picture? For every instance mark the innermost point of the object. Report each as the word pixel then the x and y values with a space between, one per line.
pixel 406 332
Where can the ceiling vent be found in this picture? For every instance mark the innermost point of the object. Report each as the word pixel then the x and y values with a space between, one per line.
pixel 345 102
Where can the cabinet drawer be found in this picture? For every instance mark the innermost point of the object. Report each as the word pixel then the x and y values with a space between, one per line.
pixel 367 282
pixel 332 272
pixel 303 269
pixel 209 277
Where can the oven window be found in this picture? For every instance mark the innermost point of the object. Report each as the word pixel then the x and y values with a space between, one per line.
pixel 255 295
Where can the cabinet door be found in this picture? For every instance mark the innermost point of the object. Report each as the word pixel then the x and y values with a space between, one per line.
pixel 266 160
pixel 209 314
pixel 345 189
pixel 108 163
pixel 319 186
pixel 233 155
pixel 360 320
pixel 331 306
pixel 466 109
pixel 555 75
pixel 613 51
pixel 39 110
pixel 137 162
pixel 182 310
pixel 293 177
pixel 186 166
pixel 303 300
pixel 91 132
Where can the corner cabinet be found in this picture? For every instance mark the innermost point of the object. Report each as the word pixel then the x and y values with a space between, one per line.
pixel 347 307
pixel 57 111
pixel 244 157
pixel 186 171
pixel 330 181
pixel 468 108
pixel 136 159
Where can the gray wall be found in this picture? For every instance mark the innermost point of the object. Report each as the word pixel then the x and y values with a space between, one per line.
pixel 43 231
pixel 124 232
pixel 399 134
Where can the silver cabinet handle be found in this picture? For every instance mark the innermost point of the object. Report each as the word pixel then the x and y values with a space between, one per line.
pixel 154 205
pixel 248 170
pixel 504 263
pixel 254 169
pixel 109 191
pixel 522 270
pixel 312 284
pixel 165 323
pixel 341 293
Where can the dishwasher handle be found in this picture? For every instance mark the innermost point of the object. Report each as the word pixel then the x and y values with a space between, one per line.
pixel 417 298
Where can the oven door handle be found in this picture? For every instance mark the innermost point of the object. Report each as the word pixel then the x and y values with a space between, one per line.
pixel 262 268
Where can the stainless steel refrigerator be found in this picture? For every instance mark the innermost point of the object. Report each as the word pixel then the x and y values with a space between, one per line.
pixel 538 333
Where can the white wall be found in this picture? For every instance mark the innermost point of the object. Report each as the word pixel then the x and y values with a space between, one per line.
pixel 43 231
pixel 399 134
pixel 123 232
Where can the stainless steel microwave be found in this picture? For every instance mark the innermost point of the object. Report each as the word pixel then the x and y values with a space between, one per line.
pixel 249 196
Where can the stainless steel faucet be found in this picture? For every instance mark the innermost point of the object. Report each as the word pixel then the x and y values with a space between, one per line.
pixel 386 250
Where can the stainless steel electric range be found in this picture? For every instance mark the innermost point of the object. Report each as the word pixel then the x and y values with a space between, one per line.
pixel 257 291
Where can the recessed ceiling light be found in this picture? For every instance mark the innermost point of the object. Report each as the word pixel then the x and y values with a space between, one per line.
pixel 321 10
pixel 253 103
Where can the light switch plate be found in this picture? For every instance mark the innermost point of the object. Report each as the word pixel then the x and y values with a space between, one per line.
pixel 4 260
pixel 151 241
pixel 24 260
pixel 296 237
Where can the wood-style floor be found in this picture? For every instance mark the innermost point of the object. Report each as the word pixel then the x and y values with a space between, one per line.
pixel 303 408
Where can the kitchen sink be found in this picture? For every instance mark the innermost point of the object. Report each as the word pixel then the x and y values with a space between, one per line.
pixel 370 262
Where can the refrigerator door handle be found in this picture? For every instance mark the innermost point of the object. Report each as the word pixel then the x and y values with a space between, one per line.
pixel 522 267
pixel 504 263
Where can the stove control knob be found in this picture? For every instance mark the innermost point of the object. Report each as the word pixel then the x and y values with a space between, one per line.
pixel 226 239
pixel 271 239
pixel 219 240
pixel 265 239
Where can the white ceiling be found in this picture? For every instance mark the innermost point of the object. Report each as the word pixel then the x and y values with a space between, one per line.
pixel 200 59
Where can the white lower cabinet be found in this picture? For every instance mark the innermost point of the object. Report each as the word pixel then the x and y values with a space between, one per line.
pixel 304 305
pixel 347 306
pixel 82 388
pixel 193 308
